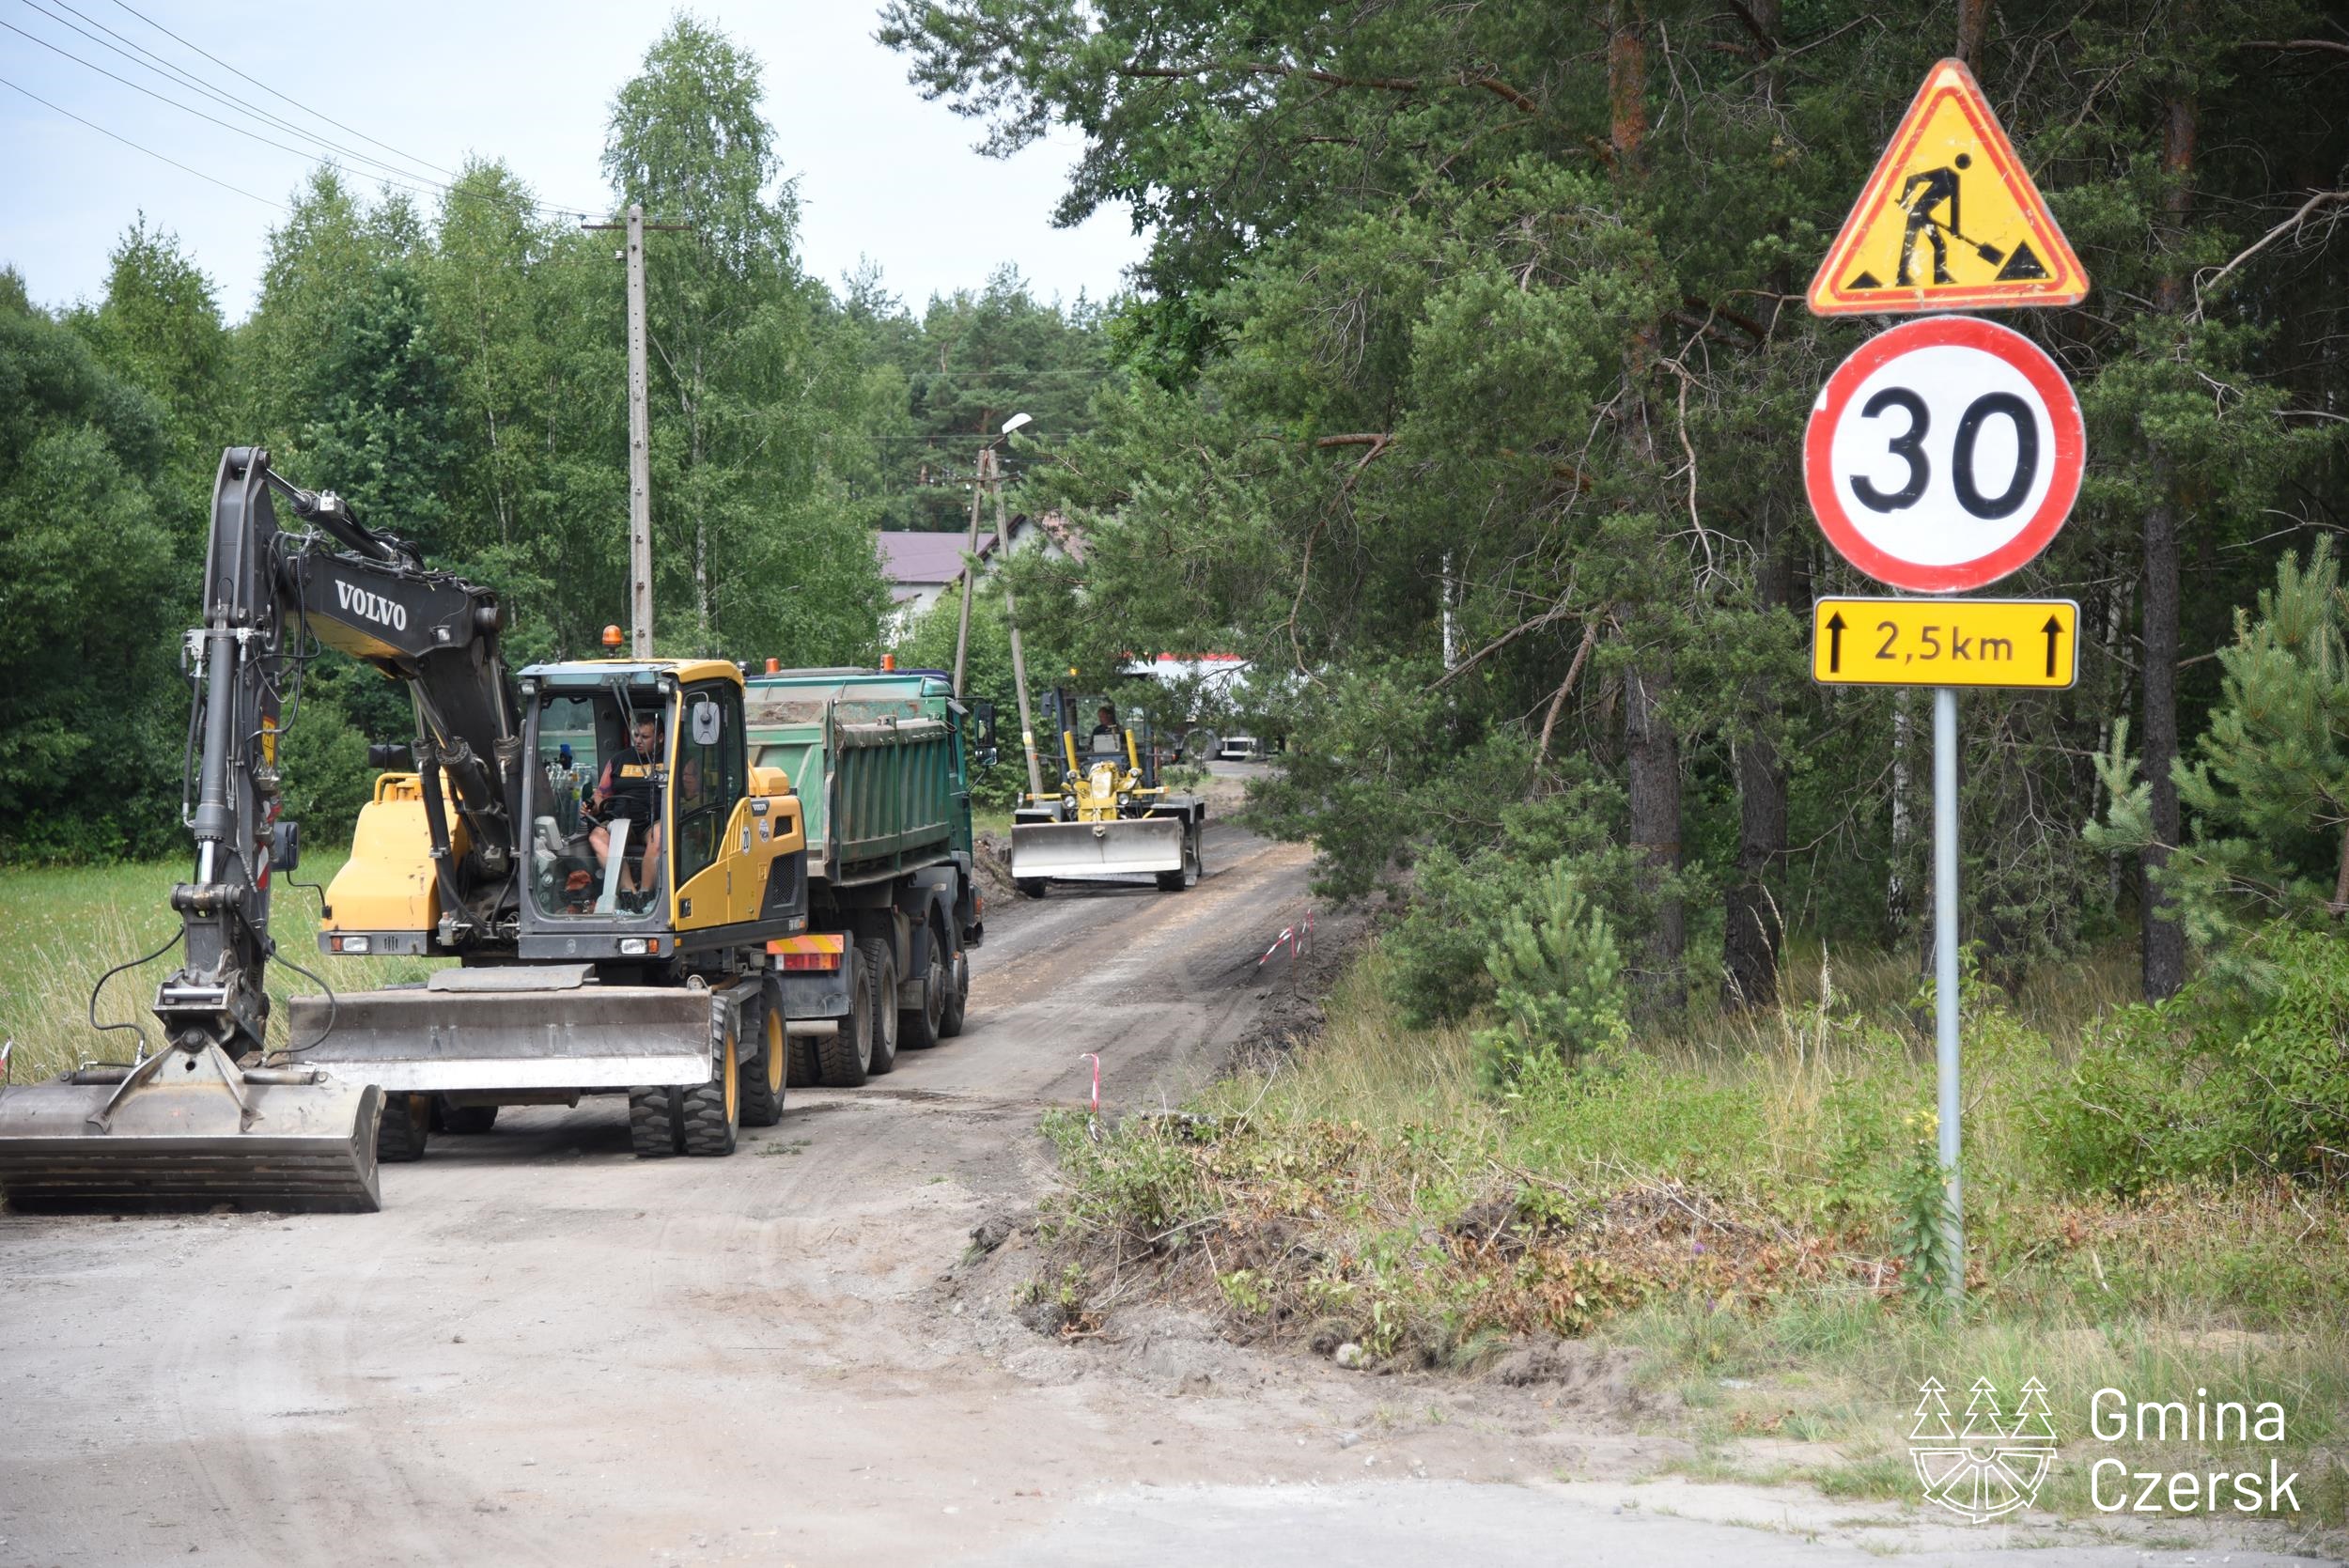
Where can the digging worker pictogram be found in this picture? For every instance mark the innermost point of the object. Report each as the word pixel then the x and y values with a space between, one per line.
pixel 1932 188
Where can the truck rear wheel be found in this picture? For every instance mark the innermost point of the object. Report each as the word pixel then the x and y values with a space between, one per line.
pixel 842 1058
pixel 958 999
pixel 763 1074
pixel 881 963
pixel 920 1028
pixel 407 1124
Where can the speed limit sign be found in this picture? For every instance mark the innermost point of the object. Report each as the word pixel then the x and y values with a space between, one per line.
pixel 1944 454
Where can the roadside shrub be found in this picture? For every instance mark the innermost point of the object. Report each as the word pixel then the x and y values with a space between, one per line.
pixel 2227 1079
pixel 1463 905
pixel 1558 982
pixel 324 764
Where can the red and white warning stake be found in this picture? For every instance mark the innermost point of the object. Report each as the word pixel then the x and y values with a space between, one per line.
pixel 1944 454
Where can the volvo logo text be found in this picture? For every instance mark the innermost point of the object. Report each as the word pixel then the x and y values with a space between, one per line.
pixel 373 607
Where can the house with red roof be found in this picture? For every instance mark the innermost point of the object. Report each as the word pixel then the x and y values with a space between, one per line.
pixel 921 566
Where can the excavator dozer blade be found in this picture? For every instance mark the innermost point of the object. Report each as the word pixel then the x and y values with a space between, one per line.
pixel 518 1027
pixel 1079 851
pixel 191 1130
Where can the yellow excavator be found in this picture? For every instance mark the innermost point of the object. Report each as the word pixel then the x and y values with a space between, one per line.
pixel 1110 820
pixel 587 840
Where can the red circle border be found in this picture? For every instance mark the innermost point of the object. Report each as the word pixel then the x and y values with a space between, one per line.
pixel 1965 332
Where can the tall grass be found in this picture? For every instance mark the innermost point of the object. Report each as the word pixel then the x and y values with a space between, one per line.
pixel 62 928
pixel 1797 1116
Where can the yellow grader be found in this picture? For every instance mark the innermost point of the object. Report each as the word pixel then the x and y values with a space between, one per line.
pixel 1110 820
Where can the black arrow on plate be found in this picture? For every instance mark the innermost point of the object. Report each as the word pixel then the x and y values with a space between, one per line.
pixel 2054 629
pixel 1835 643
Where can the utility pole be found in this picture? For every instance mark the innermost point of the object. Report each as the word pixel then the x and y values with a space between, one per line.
pixel 969 556
pixel 639 433
pixel 1011 619
pixel 990 477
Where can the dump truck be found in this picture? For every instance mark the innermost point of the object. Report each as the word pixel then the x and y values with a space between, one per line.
pixel 1109 819
pixel 881 761
pixel 590 843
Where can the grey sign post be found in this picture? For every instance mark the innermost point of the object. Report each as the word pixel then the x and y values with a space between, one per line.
pixel 1945 982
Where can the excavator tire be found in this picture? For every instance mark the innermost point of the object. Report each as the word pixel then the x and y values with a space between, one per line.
pixel 920 1028
pixel 958 999
pixel 406 1127
pixel 711 1114
pixel 764 1074
pixel 655 1124
pixel 843 1057
pixel 881 964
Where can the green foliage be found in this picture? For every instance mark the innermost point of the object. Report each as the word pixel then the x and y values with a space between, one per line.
pixel 929 644
pixel 2268 789
pixel 1466 903
pixel 2229 1079
pixel 1558 984
pixel 1462 395
pixel 758 549
pixel 458 370
pixel 324 761
pixel 89 758
pixel 1921 1209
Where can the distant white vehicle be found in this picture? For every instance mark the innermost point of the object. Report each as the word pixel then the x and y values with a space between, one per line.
pixel 1241 748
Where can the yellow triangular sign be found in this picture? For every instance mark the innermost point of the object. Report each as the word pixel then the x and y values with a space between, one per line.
pixel 1950 220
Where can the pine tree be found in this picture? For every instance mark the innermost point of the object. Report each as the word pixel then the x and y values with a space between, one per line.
pixel 2268 791
pixel 1558 981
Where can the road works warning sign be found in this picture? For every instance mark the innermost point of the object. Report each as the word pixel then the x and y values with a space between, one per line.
pixel 1948 221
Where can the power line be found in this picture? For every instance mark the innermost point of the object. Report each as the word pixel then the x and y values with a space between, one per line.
pixel 430 188
pixel 425 162
pixel 302 153
pixel 149 150
pixel 267 88
pixel 179 78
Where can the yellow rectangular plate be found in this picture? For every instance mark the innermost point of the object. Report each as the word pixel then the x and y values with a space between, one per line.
pixel 1945 641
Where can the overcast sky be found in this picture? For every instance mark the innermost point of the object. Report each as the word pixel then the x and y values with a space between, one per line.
pixel 881 173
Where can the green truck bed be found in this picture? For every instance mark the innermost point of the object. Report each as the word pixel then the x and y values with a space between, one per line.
pixel 878 765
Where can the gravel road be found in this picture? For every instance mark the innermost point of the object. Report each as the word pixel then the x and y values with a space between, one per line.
pixel 543 1351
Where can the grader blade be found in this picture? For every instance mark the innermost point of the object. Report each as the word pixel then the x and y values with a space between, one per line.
pixel 190 1129
pixel 1083 851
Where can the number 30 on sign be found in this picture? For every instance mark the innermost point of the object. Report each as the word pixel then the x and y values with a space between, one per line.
pixel 1944 454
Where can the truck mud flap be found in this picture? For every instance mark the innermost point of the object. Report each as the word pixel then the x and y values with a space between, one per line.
pixel 534 1036
pixel 1076 851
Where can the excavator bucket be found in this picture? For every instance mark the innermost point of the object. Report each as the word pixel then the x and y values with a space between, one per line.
pixel 1081 852
pixel 190 1129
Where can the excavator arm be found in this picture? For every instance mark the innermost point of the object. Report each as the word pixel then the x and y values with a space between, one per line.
pixel 202 1119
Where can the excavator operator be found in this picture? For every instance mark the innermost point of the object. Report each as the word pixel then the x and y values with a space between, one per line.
pixel 629 788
